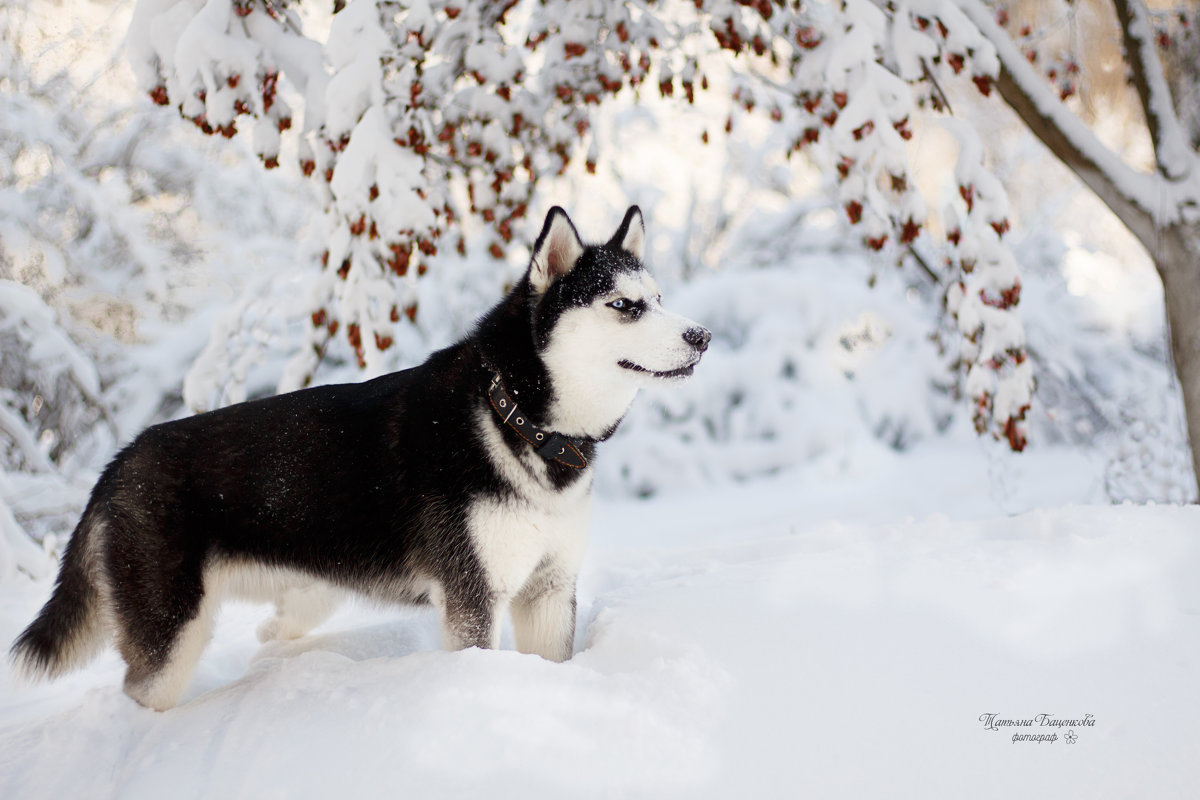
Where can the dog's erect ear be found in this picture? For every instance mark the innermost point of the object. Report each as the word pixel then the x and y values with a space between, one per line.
pixel 631 236
pixel 557 249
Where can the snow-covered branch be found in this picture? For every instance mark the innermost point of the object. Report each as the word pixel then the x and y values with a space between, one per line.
pixel 1175 159
pixel 408 110
pixel 408 105
pixel 1130 194
pixel 859 72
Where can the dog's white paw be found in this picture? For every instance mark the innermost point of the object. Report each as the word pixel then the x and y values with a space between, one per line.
pixel 268 631
pixel 298 610
pixel 281 629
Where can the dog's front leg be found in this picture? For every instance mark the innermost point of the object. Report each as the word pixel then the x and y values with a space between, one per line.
pixel 470 619
pixel 543 616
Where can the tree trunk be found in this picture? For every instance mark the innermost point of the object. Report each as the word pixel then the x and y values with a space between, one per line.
pixel 1176 253
pixel 1175 248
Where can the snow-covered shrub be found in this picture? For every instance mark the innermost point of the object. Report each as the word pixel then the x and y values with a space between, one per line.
pixel 115 228
pixel 48 386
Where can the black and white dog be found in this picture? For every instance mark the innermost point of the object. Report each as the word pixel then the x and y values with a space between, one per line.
pixel 464 482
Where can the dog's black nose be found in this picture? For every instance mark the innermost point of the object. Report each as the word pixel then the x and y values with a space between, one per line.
pixel 697 337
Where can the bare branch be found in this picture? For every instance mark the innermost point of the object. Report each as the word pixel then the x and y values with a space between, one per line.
pixel 937 87
pixel 924 265
pixel 1170 144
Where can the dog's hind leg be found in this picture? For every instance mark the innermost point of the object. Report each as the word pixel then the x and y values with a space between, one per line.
pixel 161 638
pixel 157 680
pixel 543 616
pixel 299 609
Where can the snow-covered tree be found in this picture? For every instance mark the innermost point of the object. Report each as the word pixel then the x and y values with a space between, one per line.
pixel 418 114
pixel 1160 206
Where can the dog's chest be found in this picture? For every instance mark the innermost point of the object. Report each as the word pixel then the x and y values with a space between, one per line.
pixel 516 538
pixel 535 527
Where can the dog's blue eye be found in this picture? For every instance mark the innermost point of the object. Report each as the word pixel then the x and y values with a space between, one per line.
pixel 630 309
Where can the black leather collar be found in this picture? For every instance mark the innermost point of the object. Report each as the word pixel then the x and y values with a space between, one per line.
pixel 547 444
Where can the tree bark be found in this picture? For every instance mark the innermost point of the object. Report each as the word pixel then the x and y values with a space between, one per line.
pixel 1136 218
pixel 1175 254
pixel 1174 249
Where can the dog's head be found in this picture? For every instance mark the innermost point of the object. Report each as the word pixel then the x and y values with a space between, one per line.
pixel 599 323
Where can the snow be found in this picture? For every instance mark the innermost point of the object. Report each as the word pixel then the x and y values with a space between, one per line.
pixel 911 49
pixel 756 641
pixel 807 575
pixel 18 553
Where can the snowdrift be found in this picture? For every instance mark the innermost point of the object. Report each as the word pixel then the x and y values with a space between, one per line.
pixel 729 645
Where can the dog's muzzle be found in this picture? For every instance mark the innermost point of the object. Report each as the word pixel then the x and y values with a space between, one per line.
pixel 696 337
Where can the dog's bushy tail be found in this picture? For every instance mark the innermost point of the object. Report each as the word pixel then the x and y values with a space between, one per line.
pixel 69 630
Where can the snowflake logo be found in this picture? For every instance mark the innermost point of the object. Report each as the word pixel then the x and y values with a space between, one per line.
pixel 1071 737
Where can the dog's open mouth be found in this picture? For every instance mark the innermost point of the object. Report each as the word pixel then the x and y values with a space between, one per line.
pixel 682 372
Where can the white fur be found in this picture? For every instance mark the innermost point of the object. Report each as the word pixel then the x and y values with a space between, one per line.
pixel 302 602
pixel 591 390
pixel 531 546
pixel 299 609
pixel 543 623
pixel 515 537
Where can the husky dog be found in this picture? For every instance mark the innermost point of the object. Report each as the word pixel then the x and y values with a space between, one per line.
pixel 464 482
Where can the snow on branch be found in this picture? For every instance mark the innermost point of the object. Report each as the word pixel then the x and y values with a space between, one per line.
pixel 988 287
pixel 18 553
pixel 410 108
pixel 38 361
pixel 1176 159
pixel 404 104
pixel 857 74
pixel 1133 196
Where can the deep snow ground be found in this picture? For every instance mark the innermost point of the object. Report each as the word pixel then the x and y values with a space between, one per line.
pixel 782 639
